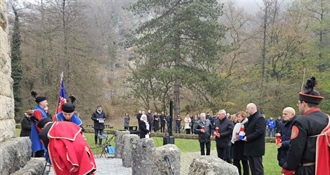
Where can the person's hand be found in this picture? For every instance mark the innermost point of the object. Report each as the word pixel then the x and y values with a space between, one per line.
pixel 203 130
pixel 218 135
pixel 245 139
pixel 279 145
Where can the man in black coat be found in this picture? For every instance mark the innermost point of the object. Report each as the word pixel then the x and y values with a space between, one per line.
pixel 225 128
pixel 254 139
pixel 162 122
pixel 289 115
pixel 149 118
pixel 98 117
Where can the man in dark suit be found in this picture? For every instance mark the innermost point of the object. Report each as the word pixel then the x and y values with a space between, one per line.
pixel 254 139
pixel 225 129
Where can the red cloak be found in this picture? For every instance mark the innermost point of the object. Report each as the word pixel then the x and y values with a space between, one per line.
pixel 322 164
pixel 68 150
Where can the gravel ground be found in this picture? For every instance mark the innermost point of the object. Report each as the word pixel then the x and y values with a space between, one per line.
pixel 108 166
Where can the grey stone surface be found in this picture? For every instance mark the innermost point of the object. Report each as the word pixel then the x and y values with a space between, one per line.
pixel 35 166
pixel 166 159
pixel 14 154
pixel 119 142
pixel 209 165
pixel 7 123
pixel 126 155
pixel 142 156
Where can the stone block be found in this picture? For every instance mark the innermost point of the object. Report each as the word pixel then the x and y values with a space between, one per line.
pixel 7 129
pixel 119 142
pixel 14 154
pixel 35 166
pixel 142 157
pixel 126 155
pixel 166 160
pixel 6 107
pixel 208 165
pixel 6 88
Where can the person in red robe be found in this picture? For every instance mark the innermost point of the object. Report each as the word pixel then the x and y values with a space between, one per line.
pixel 69 152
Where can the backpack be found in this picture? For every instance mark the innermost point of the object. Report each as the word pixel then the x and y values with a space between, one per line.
pixel 322 159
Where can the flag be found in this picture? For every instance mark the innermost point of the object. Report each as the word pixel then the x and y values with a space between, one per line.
pixel 62 95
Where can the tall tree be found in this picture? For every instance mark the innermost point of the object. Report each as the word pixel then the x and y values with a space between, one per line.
pixel 183 39
pixel 16 62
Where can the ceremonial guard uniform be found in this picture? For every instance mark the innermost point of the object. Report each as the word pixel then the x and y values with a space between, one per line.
pixel 301 158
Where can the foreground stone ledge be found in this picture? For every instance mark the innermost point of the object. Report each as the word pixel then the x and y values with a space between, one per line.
pixel 35 166
pixel 14 154
pixel 209 165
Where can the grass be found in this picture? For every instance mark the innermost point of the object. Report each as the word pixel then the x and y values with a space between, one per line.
pixel 270 163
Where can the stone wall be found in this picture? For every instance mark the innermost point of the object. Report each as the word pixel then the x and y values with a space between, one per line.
pixel 7 122
pixel 15 153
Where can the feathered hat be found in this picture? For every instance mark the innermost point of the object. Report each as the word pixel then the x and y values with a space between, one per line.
pixel 38 98
pixel 69 107
pixel 310 95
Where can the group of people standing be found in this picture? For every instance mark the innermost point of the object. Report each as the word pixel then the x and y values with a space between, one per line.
pixel 303 149
pixel 243 142
pixel 59 138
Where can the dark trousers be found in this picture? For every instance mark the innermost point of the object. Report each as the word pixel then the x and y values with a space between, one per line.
pixel 245 166
pixel 208 148
pixel 177 128
pixel 162 128
pixel 126 127
pixel 40 153
pixel 224 153
pixel 256 165
pixel 96 131
pixel 187 131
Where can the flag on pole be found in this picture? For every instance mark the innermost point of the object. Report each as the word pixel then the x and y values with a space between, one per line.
pixel 62 95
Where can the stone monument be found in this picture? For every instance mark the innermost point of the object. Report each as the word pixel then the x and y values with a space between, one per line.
pixel 15 153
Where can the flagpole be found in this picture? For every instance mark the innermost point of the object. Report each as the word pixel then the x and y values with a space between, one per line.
pixel 303 81
pixel 59 93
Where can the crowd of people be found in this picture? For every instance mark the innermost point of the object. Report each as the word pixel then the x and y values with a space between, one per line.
pixel 239 138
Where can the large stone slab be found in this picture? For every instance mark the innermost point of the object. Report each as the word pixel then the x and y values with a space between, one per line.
pixel 119 142
pixel 14 154
pixel 6 88
pixel 208 165
pixel 166 160
pixel 127 156
pixel 142 157
pixel 7 130
pixel 35 166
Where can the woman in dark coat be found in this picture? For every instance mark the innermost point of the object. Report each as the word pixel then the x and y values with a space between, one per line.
pixel 144 127
pixel 238 145
pixel 26 124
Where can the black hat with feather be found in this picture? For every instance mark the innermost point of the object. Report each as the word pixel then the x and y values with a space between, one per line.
pixel 310 95
pixel 38 98
pixel 69 107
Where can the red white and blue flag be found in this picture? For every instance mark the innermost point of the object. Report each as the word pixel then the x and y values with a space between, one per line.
pixel 62 95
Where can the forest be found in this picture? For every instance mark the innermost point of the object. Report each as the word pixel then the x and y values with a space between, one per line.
pixel 205 55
